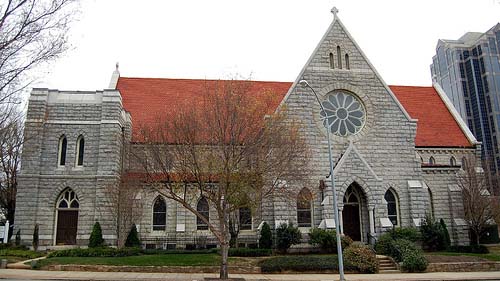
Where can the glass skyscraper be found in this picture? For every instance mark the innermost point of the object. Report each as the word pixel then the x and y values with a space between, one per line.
pixel 468 70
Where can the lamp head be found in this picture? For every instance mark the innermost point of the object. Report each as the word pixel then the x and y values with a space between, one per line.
pixel 304 83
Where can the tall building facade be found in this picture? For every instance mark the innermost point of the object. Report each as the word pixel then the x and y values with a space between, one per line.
pixel 468 70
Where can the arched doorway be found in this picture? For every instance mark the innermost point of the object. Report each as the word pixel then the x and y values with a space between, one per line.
pixel 67 217
pixel 352 212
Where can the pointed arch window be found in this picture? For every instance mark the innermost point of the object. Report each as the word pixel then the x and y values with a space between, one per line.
pixel 332 64
pixel 62 147
pixel 202 208
pixel 464 163
pixel 431 203
pixel 453 161
pixel 392 206
pixel 304 204
pixel 159 214
pixel 347 66
pixel 68 200
pixel 80 149
pixel 339 57
pixel 245 218
pixel 432 161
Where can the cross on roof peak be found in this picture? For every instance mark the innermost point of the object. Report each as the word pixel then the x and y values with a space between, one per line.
pixel 334 11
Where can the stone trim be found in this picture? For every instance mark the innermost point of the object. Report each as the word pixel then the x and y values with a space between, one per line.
pixel 464 266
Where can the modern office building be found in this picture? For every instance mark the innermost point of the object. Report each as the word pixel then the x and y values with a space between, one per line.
pixel 468 70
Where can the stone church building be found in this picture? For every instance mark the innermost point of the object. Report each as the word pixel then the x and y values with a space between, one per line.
pixel 397 151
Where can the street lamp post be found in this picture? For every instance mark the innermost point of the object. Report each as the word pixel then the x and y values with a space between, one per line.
pixel 304 83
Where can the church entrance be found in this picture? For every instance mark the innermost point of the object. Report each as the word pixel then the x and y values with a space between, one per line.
pixel 351 214
pixel 67 218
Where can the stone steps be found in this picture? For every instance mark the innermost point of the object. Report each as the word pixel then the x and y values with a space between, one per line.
pixel 386 265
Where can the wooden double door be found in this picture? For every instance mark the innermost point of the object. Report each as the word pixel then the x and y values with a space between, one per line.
pixel 351 221
pixel 67 225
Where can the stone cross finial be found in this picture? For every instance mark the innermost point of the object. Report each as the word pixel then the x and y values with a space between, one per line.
pixel 334 11
pixel 117 65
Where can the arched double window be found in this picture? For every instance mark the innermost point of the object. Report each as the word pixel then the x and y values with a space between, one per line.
pixel 80 148
pixel 304 203
pixel 245 218
pixel 61 151
pixel 159 214
pixel 392 206
pixel 203 209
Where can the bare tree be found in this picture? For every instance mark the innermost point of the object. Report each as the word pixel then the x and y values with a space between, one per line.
pixel 11 141
pixel 480 209
pixel 32 33
pixel 226 147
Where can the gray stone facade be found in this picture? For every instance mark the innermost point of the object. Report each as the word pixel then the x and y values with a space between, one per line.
pixel 381 157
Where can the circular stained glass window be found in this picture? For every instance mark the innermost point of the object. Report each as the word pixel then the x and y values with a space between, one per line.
pixel 344 113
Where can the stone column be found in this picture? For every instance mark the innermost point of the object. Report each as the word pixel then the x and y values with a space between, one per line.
pixel 371 214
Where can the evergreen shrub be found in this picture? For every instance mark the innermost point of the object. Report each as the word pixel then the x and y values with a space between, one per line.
pixel 96 239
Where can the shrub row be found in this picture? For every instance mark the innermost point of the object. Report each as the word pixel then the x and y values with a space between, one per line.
pixel 20 253
pixel 356 259
pixel 245 252
pixel 96 252
pixel 327 240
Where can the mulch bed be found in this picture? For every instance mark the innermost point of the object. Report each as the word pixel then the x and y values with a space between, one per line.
pixel 448 259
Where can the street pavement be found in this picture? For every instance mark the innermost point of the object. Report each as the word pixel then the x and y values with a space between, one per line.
pixel 21 274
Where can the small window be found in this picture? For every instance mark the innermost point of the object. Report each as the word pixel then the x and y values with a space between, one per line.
pixel 339 57
pixel 464 163
pixel 63 145
pixel 347 66
pixel 332 65
pixel 392 206
pixel 203 209
pixel 431 203
pixel 432 161
pixel 159 214
pixel 245 218
pixel 80 148
pixel 304 214
pixel 453 161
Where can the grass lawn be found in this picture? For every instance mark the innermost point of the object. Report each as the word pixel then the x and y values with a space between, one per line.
pixel 490 256
pixel 15 255
pixel 12 259
pixel 142 260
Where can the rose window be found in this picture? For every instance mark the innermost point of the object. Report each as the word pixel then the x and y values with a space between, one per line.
pixel 344 113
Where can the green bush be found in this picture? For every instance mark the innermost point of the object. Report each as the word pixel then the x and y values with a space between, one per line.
pixel 286 236
pixel 35 241
pixel 179 252
pixel 299 263
pixel 95 239
pixel 266 237
pixel 22 253
pixel 414 261
pixel 399 248
pixel 362 258
pixel 96 252
pixel 407 233
pixel 246 252
pixel 327 240
pixel 133 238
pixel 434 235
pixel 477 249
pixel 18 238
pixel 384 244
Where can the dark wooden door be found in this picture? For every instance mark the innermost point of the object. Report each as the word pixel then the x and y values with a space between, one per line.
pixel 350 220
pixel 67 222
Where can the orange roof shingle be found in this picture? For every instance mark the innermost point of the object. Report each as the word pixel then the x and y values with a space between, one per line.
pixel 145 98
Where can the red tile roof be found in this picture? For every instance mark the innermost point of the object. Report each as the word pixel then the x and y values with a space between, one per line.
pixel 146 98
pixel 436 126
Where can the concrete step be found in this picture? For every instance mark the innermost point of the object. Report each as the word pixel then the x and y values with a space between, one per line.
pixel 386 265
pixel 389 271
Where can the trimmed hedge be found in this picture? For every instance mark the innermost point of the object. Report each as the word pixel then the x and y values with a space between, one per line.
pixel 327 240
pixel 299 263
pixel 96 252
pixel 476 249
pixel 22 253
pixel 246 252
pixel 408 233
pixel 362 258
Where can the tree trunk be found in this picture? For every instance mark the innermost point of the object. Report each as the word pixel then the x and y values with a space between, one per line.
pixel 224 249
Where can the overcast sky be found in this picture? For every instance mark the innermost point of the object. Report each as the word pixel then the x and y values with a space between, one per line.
pixel 262 39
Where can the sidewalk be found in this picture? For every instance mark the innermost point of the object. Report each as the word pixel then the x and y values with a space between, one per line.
pixel 125 276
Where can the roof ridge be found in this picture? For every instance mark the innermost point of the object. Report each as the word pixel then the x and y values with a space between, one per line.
pixel 202 79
